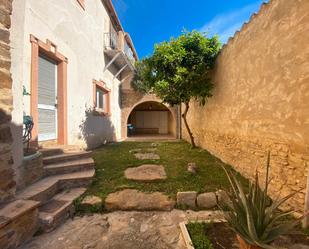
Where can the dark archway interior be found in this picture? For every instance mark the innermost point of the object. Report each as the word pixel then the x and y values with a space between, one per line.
pixel 151 118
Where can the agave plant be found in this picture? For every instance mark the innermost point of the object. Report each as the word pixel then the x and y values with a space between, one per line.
pixel 253 215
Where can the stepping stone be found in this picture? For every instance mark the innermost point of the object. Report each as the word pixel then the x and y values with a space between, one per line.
pixel 135 151
pixel 91 202
pixel 147 156
pixel 132 199
pixel 143 150
pixel 146 172
pixel 151 149
pixel 207 200
pixel 186 199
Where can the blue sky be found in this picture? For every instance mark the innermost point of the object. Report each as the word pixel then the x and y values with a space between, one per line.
pixel 153 21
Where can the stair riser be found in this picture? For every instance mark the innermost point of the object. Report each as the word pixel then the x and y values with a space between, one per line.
pixel 51 152
pixel 71 169
pixel 66 158
pixel 59 219
pixel 75 183
pixel 46 195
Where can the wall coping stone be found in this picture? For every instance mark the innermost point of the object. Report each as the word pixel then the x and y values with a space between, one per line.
pixel 16 209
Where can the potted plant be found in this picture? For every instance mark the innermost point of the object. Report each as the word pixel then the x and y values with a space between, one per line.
pixel 253 216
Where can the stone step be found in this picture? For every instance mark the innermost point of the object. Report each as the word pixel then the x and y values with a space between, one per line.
pixel 70 166
pixel 76 179
pixel 66 157
pixel 58 209
pixel 40 191
pixel 47 152
pixel 45 189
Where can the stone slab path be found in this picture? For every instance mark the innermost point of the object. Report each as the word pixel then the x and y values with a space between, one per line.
pixel 146 173
pixel 145 150
pixel 121 230
pixel 147 156
pixel 132 199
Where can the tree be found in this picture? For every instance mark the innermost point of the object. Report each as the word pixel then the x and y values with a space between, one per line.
pixel 178 71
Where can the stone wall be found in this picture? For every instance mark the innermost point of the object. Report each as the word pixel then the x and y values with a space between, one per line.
pixel 31 171
pixel 19 222
pixel 7 183
pixel 261 99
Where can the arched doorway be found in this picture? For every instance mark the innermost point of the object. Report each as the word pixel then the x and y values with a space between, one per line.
pixel 151 119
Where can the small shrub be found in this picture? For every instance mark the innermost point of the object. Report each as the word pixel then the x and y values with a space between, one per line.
pixel 197 233
pixel 254 216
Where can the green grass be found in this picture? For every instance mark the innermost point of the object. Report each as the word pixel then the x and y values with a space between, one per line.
pixel 197 235
pixel 112 160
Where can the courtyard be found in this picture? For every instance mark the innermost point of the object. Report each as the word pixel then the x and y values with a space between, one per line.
pixel 143 224
pixel 139 219
pixel 154 124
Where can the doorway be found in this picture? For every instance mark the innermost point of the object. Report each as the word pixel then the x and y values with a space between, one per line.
pixel 47 99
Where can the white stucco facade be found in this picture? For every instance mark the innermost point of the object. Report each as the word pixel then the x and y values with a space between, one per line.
pixel 78 35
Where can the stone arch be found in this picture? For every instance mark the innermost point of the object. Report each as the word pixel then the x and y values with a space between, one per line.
pixel 127 110
pixel 152 118
pixel 157 101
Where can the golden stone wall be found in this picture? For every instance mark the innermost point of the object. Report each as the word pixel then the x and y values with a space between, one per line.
pixel 261 99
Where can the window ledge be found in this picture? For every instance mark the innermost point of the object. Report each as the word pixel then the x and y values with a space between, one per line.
pixel 100 112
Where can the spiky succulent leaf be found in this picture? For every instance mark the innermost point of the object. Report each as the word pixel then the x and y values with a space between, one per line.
pixel 253 215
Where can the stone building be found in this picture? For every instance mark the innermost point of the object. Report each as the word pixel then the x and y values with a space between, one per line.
pixel 75 64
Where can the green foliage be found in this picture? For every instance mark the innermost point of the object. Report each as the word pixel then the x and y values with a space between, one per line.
pixel 179 69
pixel 197 233
pixel 254 216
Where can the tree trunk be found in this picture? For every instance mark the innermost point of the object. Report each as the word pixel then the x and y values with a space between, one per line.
pixel 184 116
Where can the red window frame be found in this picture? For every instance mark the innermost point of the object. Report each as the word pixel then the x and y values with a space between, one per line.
pixel 102 86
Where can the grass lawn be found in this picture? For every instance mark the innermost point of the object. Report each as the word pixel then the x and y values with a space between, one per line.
pixel 112 160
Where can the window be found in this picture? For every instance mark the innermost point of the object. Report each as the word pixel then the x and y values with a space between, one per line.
pixel 101 97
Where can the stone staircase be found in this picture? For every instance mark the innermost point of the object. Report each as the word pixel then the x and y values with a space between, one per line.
pixel 67 174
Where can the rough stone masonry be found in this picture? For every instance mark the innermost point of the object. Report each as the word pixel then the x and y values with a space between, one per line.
pixel 261 99
pixel 7 183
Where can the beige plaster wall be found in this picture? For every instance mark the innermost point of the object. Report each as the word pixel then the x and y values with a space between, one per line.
pixel 261 99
